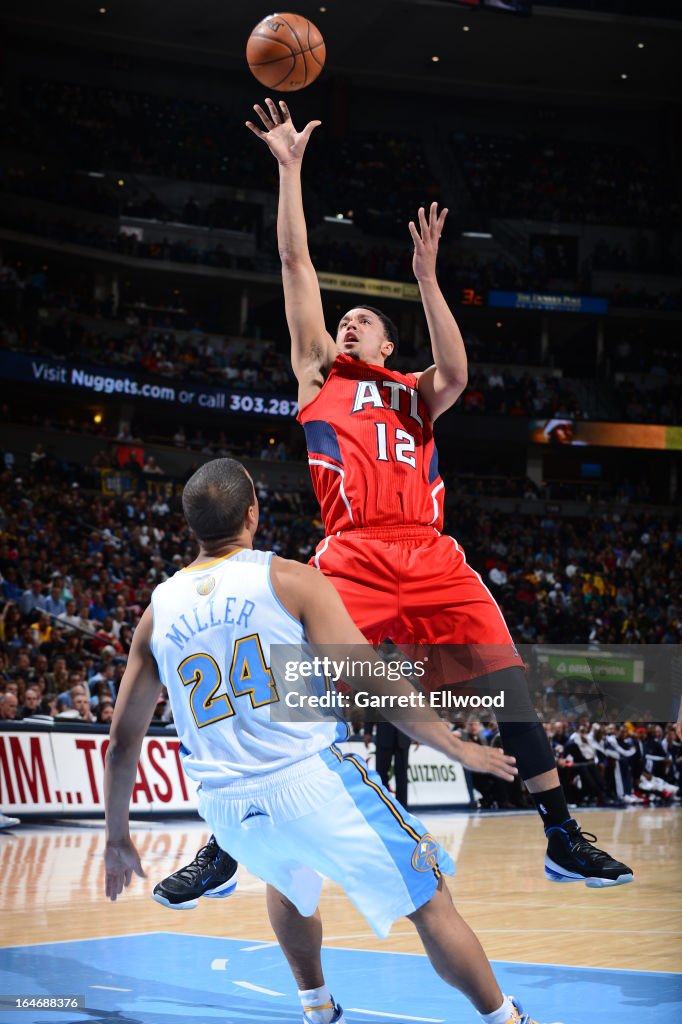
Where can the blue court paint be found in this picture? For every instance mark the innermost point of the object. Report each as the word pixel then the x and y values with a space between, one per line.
pixel 170 980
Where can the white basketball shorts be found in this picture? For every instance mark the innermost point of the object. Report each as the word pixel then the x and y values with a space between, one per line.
pixel 327 816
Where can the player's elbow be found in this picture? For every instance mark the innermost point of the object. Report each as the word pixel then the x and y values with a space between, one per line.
pixel 455 383
pixel 293 257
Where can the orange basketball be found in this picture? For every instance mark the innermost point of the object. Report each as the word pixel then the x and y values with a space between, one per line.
pixel 285 52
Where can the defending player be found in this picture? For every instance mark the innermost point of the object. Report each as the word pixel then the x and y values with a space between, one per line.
pixel 290 805
pixel 374 468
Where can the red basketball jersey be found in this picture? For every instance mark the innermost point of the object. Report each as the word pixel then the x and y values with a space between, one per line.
pixel 371 452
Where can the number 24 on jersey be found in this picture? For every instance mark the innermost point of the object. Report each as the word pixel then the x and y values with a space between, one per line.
pixel 248 676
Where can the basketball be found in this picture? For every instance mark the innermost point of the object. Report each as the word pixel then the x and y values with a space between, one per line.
pixel 285 52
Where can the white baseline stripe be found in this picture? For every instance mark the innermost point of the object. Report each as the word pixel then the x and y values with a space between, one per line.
pixel 111 988
pixel 396 1016
pixel 261 945
pixel 257 988
pixel 90 938
pixel 570 931
pixel 360 935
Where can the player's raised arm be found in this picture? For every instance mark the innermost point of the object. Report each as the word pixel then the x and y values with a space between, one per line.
pixel 137 697
pixel 441 385
pixel 312 348
pixel 311 598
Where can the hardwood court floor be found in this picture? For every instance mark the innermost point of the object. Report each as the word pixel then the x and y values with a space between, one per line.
pixel 53 890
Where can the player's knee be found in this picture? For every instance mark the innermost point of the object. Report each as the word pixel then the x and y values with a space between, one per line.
pixel 434 906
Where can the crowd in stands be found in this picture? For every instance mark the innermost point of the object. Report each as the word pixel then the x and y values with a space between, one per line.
pixel 502 392
pixel 187 356
pixel 108 195
pixel 378 179
pixel 103 128
pixel 456 272
pixel 128 243
pixel 553 180
pixel 137 340
pixel 648 354
pixel 654 403
pixel 612 578
pixel 600 764
pixel 143 342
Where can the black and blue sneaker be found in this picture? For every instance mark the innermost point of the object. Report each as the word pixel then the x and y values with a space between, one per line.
pixel 571 857
pixel 211 873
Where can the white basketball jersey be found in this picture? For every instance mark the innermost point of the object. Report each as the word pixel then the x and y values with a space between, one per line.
pixel 211 636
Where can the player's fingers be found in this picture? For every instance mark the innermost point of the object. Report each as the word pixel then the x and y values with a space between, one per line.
pixel 139 870
pixel 416 237
pixel 441 220
pixel 265 118
pixel 286 116
pixel 255 129
pixel 112 886
pixel 423 225
pixel 273 111
pixel 504 765
pixel 310 128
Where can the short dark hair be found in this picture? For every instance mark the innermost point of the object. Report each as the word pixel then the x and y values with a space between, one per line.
pixel 216 499
pixel 390 329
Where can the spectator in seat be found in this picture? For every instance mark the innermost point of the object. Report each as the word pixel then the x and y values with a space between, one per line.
pixel 104 712
pixel 32 598
pixel 621 749
pixel 54 605
pixel 9 706
pixel 31 703
pixel 656 760
pixel 584 763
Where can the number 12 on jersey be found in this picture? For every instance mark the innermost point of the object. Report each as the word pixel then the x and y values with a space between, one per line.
pixel 403 445
pixel 248 676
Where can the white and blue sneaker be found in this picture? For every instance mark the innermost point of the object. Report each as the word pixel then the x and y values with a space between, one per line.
pixel 519 1017
pixel 571 857
pixel 338 1017
pixel 7 822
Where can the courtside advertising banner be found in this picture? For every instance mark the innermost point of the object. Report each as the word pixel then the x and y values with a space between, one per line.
pixel 54 771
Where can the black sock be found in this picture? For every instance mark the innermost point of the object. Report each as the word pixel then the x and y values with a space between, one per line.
pixel 551 806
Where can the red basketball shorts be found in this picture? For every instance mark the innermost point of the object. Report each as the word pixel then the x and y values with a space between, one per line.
pixel 413 586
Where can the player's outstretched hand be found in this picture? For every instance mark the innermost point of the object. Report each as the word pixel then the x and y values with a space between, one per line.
pixel 121 861
pixel 426 239
pixel 489 760
pixel 284 142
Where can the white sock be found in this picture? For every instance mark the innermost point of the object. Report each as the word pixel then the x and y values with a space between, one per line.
pixel 501 1015
pixel 317 1004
